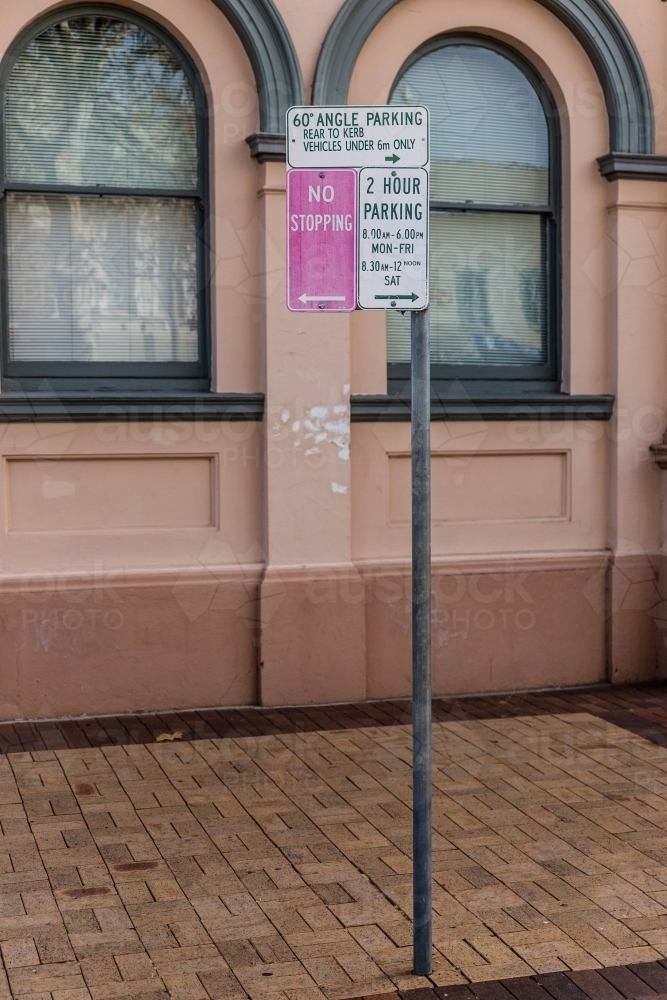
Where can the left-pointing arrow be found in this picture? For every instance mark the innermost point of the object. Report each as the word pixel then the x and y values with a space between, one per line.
pixel 321 298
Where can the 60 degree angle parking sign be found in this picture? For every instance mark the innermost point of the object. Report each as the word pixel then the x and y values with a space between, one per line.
pixel 357 136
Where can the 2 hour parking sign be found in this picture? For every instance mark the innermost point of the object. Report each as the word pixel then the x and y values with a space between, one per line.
pixel 393 239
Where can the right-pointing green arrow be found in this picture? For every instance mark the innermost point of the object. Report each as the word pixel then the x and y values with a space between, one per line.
pixel 393 158
pixel 412 297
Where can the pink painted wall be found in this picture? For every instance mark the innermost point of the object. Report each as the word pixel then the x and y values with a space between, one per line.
pixel 151 566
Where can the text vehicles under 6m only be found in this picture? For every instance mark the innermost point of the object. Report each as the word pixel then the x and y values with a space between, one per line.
pixel 361 136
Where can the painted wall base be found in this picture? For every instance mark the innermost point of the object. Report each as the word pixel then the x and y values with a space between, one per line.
pixel 660 617
pixel 634 613
pixel 227 636
pixel 534 622
pixel 313 636
pixel 128 645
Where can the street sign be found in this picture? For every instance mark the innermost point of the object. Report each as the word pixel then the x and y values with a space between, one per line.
pixel 387 232
pixel 393 238
pixel 364 136
pixel 321 240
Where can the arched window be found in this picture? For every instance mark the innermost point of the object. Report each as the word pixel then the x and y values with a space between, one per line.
pixel 104 208
pixel 494 219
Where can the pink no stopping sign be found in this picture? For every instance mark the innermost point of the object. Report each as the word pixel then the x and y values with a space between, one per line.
pixel 321 240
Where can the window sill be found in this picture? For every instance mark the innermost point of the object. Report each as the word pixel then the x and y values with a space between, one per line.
pixel 119 407
pixel 519 406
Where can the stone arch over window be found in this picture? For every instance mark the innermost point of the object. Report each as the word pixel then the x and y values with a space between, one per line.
pixel 594 23
pixel 271 52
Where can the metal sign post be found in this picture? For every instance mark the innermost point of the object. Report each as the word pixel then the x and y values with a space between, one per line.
pixel 421 643
pixel 357 236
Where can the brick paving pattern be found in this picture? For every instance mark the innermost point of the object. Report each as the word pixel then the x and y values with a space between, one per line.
pixel 640 709
pixel 277 866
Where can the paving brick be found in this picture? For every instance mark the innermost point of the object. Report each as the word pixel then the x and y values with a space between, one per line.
pixel 45 978
pixel 99 970
pixel 491 991
pixel 653 974
pixel 135 966
pixel 526 988
pixel 454 993
pixel 222 985
pixel 19 952
pixel 560 987
pixel 594 985
pixel 627 983
pixel 420 994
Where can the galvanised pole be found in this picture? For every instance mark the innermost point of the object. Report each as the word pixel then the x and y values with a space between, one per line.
pixel 421 643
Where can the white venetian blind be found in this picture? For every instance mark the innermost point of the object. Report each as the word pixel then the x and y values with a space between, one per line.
pixel 101 279
pixel 489 148
pixel 92 102
pixel 98 101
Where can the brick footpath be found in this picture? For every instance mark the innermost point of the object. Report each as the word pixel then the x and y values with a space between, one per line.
pixel 266 854
pixel 642 710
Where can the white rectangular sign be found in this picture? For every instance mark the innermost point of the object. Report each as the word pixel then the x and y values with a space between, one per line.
pixel 393 238
pixel 362 136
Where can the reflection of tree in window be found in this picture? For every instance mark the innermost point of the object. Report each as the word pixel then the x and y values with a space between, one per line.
pixel 532 298
pixel 472 300
pixel 97 102
pixel 108 104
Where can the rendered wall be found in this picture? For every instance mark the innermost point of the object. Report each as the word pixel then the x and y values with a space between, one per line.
pixel 151 565
pixel 592 588
pixel 131 551
pixel 130 566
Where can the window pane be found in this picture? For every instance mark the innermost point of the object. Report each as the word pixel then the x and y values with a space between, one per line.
pixel 94 100
pixel 101 279
pixel 487 292
pixel 489 139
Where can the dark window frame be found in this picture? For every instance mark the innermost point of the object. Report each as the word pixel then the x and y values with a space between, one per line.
pixel 481 380
pixel 113 376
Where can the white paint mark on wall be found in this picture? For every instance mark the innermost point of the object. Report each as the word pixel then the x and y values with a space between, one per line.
pixel 52 488
pixel 321 425
pixel 325 425
pixel 338 488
